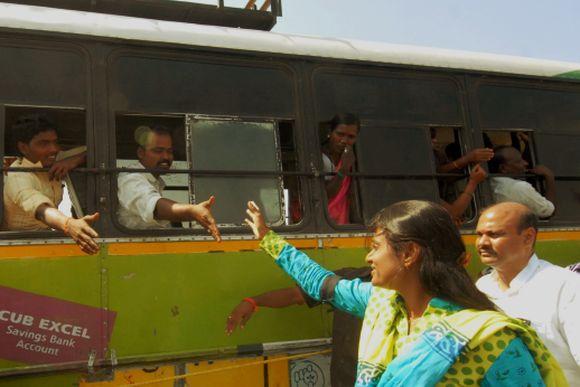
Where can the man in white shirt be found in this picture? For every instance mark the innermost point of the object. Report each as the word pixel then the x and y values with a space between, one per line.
pixel 508 160
pixel 141 205
pixel 523 286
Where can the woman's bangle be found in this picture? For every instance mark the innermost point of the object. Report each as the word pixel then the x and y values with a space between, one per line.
pixel 455 165
pixel 252 302
pixel 467 193
pixel 65 228
pixel 339 174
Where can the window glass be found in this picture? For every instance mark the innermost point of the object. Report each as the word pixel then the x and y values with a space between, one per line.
pixel 401 100
pixel 237 146
pixel 42 77
pixel 561 152
pixel 181 85
pixel 404 152
pixel 507 106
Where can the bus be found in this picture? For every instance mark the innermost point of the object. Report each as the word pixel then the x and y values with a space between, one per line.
pixel 248 110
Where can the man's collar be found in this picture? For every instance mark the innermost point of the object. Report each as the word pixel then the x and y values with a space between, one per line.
pixel 522 277
pixel 25 163
pixel 149 176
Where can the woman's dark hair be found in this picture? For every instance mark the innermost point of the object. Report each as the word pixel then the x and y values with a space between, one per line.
pixel 442 251
pixel 344 119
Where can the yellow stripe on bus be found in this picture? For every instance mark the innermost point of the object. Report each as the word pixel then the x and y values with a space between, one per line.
pixel 36 251
pixel 170 247
pixel 195 247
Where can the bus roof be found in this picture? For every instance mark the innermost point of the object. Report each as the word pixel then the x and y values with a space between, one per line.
pixel 34 18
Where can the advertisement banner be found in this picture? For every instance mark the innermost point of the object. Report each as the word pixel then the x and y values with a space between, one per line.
pixel 36 329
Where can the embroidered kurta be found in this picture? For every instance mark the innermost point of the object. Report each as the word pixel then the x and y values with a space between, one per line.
pixel 448 345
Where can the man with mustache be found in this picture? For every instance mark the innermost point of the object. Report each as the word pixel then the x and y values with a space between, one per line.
pixel 508 160
pixel 526 287
pixel 31 199
pixel 141 204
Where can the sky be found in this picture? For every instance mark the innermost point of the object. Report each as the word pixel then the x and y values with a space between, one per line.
pixel 532 28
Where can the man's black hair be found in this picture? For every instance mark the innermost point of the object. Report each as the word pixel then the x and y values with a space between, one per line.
pixel 28 126
pixel 498 158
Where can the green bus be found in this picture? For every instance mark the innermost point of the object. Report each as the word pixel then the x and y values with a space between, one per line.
pixel 248 110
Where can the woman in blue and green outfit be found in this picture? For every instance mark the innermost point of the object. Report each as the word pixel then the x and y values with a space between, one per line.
pixel 425 323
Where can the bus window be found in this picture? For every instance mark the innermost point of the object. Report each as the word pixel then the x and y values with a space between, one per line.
pixel 174 186
pixel 552 111
pixel 449 157
pixel 564 159
pixel 233 160
pixel 244 162
pixel 395 164
pixel 338 140
pixel 293 207
pixel 70 193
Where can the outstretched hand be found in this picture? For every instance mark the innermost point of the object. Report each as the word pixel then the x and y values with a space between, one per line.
pixel 239 316
pixel 202 214
pixel 257 222
pixel 82 233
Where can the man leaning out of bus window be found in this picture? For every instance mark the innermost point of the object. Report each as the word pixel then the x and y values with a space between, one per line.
pixel 141 204
pixel 31 199
pixel 508 160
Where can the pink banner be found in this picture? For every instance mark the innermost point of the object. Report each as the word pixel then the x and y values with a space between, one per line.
pixel 36 329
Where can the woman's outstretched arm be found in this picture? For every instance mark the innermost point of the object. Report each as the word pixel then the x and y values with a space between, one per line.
pixel 316 281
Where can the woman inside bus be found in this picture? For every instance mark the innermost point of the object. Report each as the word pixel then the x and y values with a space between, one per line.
pixel 425 322
pixel 338 157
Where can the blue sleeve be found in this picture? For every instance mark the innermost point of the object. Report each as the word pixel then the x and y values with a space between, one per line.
pixel 350 296
pixel 308 274
pixel 515 366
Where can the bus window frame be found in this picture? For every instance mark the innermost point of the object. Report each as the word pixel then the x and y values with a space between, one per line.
pixel 463 137
pixel 473 84
pixel 538 184
pixel 278 154
pixel 385 71
pixel 90 200
pixel 198 232
pixel 464 143
pixel 206 56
